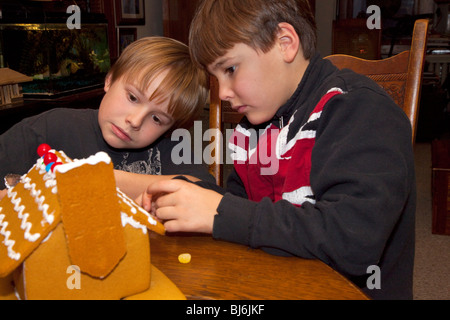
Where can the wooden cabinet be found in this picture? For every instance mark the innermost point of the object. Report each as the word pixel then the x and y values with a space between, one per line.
pixel 177 17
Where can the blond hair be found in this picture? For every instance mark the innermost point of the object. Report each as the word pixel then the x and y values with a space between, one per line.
pixel 252 22
pixel 185 85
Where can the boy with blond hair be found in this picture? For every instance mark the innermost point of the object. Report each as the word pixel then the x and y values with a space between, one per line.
pixel 343 187
pixel 152 89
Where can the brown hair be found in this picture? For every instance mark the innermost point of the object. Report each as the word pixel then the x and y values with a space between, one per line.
pixel 185 85
pixel 219 24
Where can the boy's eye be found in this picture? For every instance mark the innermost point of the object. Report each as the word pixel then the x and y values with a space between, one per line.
pixel 132 97
pixel 156 119
pixel 230 70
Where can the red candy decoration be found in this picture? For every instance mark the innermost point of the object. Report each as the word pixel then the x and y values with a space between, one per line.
pixel 50 157
pixel 54 165
pixel 43 149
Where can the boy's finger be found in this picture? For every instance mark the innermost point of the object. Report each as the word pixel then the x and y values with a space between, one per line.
pixel 146 200
pixel 165 186
pixel 173 226
pixel 166 213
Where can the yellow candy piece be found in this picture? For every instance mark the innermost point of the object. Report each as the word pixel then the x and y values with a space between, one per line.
pixel 184 258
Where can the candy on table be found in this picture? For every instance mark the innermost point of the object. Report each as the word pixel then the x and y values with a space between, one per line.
pixel 184 258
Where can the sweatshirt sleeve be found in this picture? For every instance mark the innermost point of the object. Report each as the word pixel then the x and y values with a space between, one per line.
pixel 362 175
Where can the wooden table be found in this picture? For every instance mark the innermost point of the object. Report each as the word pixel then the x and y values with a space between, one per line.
pixel 222 270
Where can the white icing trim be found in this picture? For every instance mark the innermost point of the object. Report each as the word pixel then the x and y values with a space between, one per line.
pixel 134 206
pixel 25 225
pixel 126 219
pixel 49 218
pixel 47 237
pixel 92 160
pixel 7 242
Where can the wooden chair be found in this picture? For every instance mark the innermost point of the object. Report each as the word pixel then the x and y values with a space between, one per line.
pixel 220 112
pixel 400 76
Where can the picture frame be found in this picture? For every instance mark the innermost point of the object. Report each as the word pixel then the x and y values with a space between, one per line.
pixel 130 12
pixel 126 36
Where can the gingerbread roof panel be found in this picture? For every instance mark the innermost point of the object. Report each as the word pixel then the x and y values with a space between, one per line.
pixel 21 231
pixel 133 210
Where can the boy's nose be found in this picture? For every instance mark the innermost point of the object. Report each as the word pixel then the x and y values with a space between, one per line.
pixel 135 119
pixel 225 92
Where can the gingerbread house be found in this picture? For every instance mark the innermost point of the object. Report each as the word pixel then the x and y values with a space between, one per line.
pixel 67 232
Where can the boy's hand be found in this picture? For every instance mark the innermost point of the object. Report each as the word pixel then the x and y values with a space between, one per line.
pixel 2 193
pixel 145 201
pixel 182 206
pixel 133 184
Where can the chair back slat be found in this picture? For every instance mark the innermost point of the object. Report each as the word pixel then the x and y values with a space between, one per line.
pixel 400 75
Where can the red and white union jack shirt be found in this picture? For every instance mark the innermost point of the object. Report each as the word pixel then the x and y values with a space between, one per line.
pixel 273 166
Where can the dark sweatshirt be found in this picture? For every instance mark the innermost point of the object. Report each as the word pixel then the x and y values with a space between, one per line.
pixel 362 181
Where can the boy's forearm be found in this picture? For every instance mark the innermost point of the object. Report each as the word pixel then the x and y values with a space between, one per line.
pixel 134 184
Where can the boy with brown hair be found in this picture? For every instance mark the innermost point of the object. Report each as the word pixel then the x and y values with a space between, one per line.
pixel 152 89
pixel 343 187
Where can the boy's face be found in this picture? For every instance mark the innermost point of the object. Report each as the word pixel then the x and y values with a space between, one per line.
pixel 255 83
pixel 128 119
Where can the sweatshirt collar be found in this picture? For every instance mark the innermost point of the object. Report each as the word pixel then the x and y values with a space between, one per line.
pixel 314 75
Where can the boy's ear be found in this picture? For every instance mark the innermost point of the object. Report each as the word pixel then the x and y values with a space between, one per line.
pixel 107 82
pixel 288 41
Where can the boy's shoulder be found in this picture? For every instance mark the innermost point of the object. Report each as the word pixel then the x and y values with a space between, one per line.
pixel 359 93
pixel 349 81
pixel 323 76
pixel 59 112
pixel 63 116
pixel 67 117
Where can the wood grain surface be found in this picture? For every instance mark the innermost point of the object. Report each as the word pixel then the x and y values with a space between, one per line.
pixel 222 270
